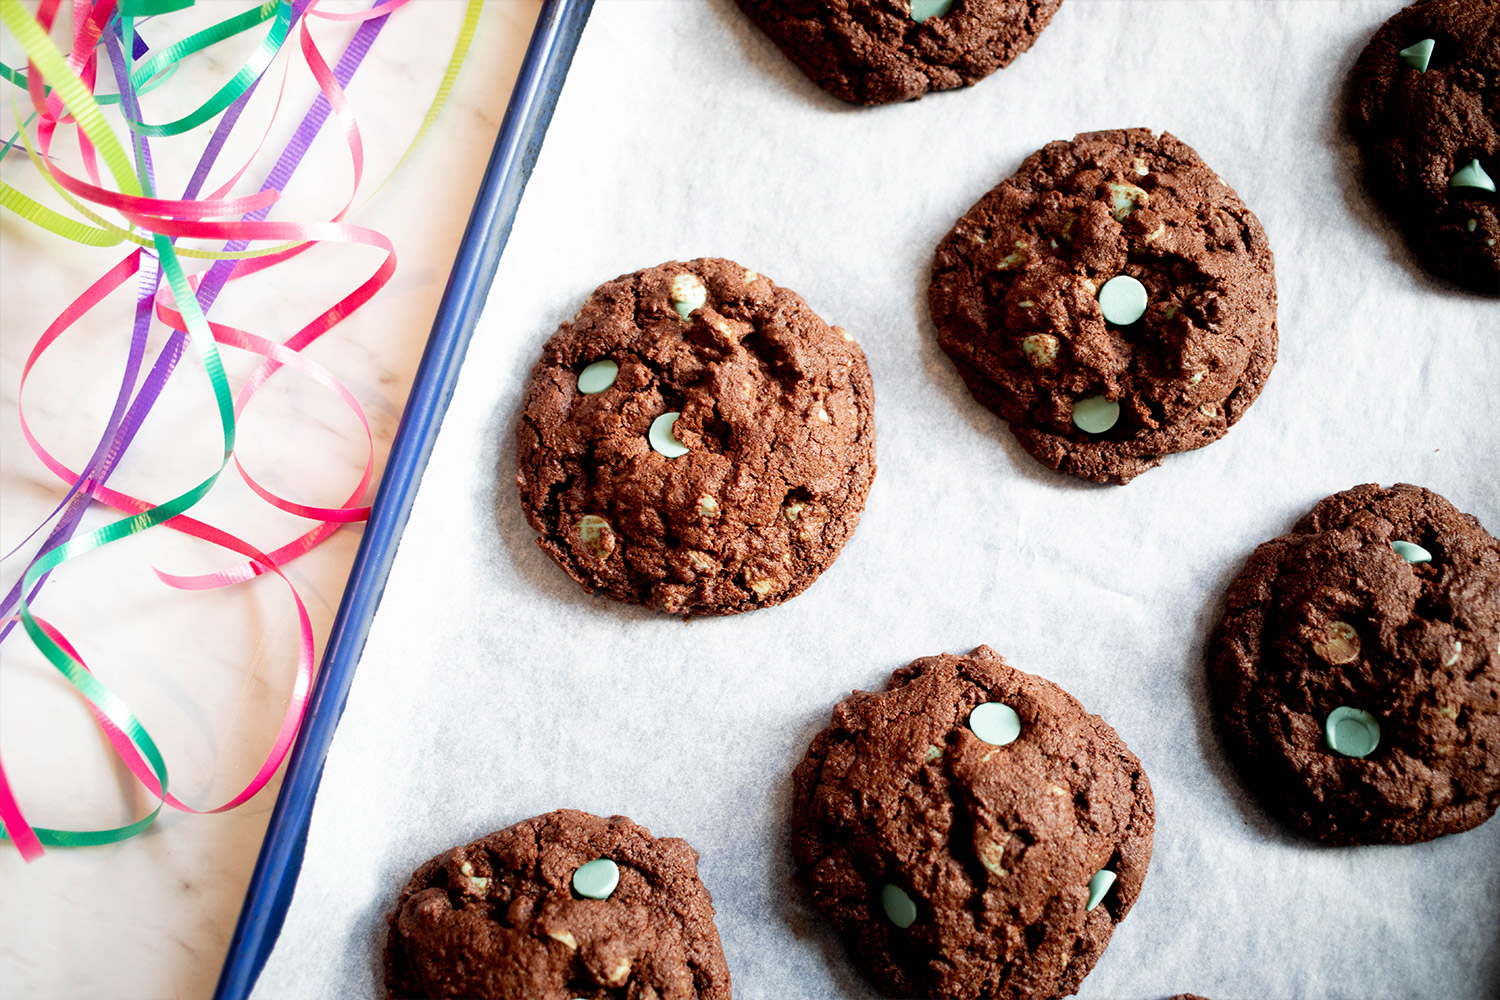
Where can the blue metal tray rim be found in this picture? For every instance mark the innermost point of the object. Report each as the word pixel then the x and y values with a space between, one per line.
pixel 529 112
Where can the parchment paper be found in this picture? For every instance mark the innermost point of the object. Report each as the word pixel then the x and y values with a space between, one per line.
pixel 493 688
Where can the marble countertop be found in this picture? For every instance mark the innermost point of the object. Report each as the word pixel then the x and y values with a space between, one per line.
pixel 210 673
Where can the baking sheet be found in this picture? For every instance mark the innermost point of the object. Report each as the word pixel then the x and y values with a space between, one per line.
pixel 492 688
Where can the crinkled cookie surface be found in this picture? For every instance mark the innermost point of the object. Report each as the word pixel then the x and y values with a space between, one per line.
pixel 1018 296
pixel 755 488
pixel 500 918
pixel 1381 605
pixel 1015 860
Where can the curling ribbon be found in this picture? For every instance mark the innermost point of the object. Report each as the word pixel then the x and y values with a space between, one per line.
pixel 45 61
pixel 109 234
pixel 27 839
pixel 281 10
pixel 168 358
pixel 30 841
pixel 135 201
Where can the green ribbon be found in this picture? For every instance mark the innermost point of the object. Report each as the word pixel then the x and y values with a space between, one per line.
pixel 151 8
pixel 281 10
pixel 18 78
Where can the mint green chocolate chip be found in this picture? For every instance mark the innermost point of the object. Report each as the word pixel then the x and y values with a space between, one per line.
pixel 921 10
pixel 1472 176
pixel 996 723
pixel 597 377
pixel 1124 199
pixel 688 293
pixel 1095 414
pixel 1338 643
pixel 1473 224
pixel 597 879
pixel 1352 732
pixel 662 438
pixel 595 535
pixel 1122 299
pixel 1412 552
pixel 898 906
pixel 1099 886
pixel 1417 56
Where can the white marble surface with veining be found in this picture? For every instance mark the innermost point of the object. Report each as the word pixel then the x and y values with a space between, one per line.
pixel 209 673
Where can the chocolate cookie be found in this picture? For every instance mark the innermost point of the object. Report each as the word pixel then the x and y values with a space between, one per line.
pixel 882 51
pixel 1425 108
pixel 1355 675
pixel 971 831
pixel 1114 301
pixel 696 440
pixel 560 906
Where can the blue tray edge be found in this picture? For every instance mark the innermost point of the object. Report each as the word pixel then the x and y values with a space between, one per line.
pixel 529 112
